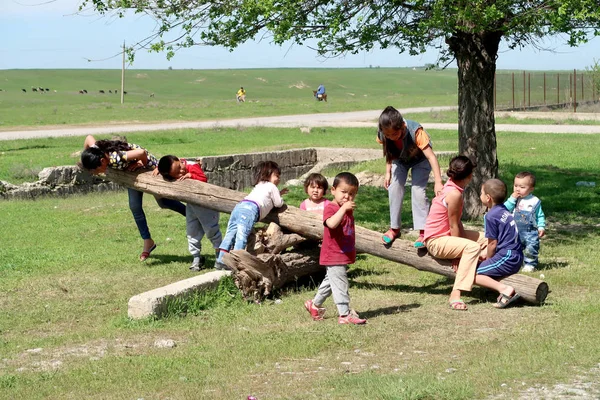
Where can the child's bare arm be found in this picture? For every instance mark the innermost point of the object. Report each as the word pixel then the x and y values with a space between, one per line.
pixel 184 177
pixel 541 232
pixel 388 174
pixel 435 168
pixel 139 155
pixel 335 220
pixel 89 142
pixel 491 248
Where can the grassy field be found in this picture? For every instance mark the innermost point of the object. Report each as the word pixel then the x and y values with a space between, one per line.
pixel 452 117
pixel 21 161
pixel 185 95
pixel 69 266
pixel 206 94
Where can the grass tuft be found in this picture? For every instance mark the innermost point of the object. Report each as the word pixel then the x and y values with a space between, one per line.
pixel 226 294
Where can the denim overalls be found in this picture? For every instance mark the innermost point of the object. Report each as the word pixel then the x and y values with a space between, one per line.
pixel 528 232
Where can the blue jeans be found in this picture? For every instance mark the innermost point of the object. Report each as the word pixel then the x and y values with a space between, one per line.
pixel 530 241
pixel 135 205
pixel 241 222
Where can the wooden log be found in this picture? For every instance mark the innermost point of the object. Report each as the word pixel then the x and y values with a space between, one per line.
pixel 275 241
pixel 258 276
pixel 310 226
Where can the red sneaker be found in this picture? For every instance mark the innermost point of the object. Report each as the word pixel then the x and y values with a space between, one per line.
pixel 315 312
pixel 351 318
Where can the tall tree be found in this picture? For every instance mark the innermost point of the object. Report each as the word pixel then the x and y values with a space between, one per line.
pixel 469 31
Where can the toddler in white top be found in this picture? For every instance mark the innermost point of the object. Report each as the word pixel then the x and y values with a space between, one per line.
pixel 263 198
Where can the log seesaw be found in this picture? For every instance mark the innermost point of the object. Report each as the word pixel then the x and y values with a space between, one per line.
pixel 257 275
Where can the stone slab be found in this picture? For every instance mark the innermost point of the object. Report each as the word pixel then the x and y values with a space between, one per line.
pixel 153 302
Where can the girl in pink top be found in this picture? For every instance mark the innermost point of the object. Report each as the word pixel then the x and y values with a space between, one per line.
pixel 445 235
pixel 315 187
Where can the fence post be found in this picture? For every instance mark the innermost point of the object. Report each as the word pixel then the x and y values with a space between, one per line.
pixel 582 91
pixel 513 90
pixel 529 89
pixel 557 89
pixel 570 87
pixel 524 98
pixel 495 90
pixel 544 88
pixel 574 90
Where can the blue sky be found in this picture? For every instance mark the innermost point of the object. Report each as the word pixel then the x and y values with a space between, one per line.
pixel 51 34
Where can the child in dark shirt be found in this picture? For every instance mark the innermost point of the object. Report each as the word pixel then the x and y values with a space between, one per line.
pixel 504 253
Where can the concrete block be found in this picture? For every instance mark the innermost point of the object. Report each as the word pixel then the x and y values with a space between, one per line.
pixel 153 302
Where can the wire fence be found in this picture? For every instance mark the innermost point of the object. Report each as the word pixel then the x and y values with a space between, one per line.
pixel 534 90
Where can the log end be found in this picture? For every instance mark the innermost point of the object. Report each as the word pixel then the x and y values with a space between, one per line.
pixel 542 292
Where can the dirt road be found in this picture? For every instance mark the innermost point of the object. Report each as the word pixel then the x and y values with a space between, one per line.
pixel 346 119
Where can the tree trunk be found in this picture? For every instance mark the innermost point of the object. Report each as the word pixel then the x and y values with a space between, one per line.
pixel 308 225
pixel 476 58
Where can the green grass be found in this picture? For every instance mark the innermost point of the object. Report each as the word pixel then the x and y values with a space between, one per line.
pixel 69 266
pixel 186 95
pixel 452 117
pixel 20 161
pixel 208 94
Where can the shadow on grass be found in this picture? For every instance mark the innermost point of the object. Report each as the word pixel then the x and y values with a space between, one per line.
pixel 307 282
pixel 552 265
pixel 442 286
pixel 358 272
pixel 389 310
pixel 154 260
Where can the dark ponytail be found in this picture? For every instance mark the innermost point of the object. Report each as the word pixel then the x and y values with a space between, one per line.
pixel 460 168
pixel 108 146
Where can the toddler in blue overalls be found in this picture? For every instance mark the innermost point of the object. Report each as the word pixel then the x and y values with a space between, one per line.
pixel 530 219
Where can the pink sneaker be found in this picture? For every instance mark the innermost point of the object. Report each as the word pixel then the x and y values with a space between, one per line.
pixel 315 312
pixel 351 318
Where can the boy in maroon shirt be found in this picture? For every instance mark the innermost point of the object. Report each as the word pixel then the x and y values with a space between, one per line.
pixel 337 251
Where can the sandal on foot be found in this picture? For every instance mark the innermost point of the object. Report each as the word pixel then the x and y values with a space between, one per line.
pixel 145 254
pixel 389 237
pixel 458 305
pixel 420 243
pixel 505 300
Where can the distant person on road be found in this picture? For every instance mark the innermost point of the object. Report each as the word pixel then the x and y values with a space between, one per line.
pixel 241 95
pixel 406 146
pixel 99 155
pixel 199 220
pixel 531 221
pixel 320 92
